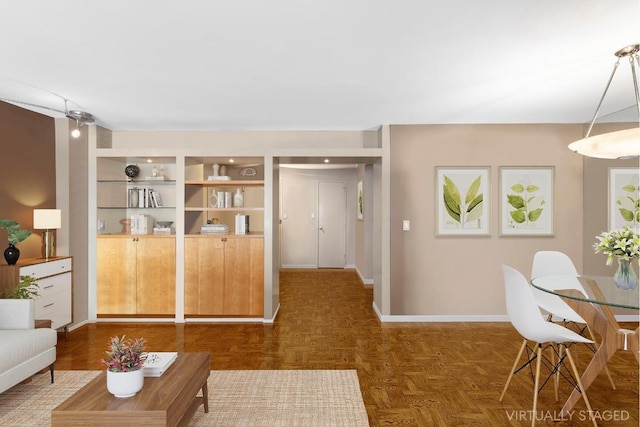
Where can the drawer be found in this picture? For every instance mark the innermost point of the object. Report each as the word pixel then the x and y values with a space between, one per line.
pixel 45 269
pixel 54 284
pixel 51 302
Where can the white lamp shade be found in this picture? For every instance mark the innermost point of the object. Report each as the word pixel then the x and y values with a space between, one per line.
pixel 47 219
pixel 612 145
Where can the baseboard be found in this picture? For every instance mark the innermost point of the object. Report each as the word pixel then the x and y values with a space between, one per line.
pixel 362 279
pixel 273 318
pixel 78 325
pixel 396 318
pixel 300 266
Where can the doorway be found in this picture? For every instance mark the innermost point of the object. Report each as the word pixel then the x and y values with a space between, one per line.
pixel 332 213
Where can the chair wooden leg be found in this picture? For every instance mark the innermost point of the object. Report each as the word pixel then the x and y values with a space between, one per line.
pixel 513 369
pixel 556 377
pixel 582 389
pixel 536 385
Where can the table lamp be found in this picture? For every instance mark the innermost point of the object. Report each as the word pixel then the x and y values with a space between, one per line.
pixel 48 220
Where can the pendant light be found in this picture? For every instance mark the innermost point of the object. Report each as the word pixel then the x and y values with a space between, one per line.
pixel 619 144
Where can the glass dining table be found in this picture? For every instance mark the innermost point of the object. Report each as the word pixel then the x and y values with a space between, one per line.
pixel 594 305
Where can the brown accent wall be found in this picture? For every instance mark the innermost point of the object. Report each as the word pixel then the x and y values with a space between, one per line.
pixel 27 171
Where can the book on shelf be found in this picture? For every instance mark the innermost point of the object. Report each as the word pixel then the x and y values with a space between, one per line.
pixel 141 224
pixel 158 362
pixel 242 224
pixel 144 197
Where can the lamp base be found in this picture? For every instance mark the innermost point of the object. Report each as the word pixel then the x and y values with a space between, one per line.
pixel 48 244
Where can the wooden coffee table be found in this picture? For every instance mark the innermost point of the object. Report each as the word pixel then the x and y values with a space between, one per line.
pixel 168 400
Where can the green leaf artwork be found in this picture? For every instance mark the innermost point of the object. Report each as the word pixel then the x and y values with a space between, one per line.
pixel 526 203
pixel 629 205
pixel 467 212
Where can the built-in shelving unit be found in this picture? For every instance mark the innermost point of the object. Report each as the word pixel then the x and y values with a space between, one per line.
pixel 156 195
pixel 201 193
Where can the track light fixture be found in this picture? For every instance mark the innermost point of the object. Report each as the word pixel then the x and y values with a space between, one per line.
pixel 81 119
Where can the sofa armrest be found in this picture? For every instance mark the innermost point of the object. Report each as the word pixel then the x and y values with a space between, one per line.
pixel 17 314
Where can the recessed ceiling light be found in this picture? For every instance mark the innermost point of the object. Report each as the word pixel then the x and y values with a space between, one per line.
pixel 326 160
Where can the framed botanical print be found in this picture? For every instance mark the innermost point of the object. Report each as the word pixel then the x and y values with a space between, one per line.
pixel 462 201
pixel 527 201
pixel 624 197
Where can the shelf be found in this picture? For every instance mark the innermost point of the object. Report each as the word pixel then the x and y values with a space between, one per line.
pixel 200 209
pixel 130 208
pixel 138 181
pixel 237 183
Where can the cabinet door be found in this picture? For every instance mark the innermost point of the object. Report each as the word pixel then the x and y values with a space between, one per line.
pixel 204 276
pixel 116 275
pixel 243 275
pixel 156 275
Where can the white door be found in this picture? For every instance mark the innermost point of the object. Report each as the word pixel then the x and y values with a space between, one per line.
pixel 332 217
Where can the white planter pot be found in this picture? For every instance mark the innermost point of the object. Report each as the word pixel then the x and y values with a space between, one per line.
pixel 125 384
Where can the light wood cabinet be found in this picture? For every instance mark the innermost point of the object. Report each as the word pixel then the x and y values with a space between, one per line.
pixel 224 275
pixel 136 275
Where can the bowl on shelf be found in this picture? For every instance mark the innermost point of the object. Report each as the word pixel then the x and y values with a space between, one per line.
pixel 164 224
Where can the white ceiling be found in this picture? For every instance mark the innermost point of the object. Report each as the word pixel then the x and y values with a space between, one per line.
pixel 317 64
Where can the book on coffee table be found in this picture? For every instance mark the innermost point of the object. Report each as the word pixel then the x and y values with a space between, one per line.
pixel 158 362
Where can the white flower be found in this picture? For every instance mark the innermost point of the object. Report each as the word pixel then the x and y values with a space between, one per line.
pixel 623 243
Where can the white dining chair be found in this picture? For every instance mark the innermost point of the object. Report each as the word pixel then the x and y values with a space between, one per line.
pixel 555 263
pixel 525 316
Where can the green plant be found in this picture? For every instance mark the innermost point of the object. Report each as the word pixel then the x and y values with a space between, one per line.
pixel 14 232
pixel 125 355
pixel 27 288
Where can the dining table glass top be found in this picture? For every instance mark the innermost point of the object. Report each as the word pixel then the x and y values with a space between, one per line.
pixel 599 290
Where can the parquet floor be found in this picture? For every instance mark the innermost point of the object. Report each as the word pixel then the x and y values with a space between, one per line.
pixel 411 374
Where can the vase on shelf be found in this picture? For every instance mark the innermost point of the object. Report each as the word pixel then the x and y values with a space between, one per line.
pixel 11 254
pixel 625 276
pixel 125 384
pixel 238 199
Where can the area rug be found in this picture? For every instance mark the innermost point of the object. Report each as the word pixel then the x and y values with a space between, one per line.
pixel 236 398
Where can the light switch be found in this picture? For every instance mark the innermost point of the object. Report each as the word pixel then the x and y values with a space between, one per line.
pixel 406 225
pixel 101 225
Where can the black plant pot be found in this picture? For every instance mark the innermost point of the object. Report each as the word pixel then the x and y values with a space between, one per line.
pixel 11 254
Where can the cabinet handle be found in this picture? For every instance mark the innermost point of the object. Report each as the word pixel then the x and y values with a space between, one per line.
pixel 48 305
pixel 47 287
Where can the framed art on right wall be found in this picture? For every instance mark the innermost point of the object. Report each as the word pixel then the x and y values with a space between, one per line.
pixel 624 197
pixel 527 201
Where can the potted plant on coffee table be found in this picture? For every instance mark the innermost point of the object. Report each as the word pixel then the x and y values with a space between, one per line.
pixel 15 235
pixel 124 360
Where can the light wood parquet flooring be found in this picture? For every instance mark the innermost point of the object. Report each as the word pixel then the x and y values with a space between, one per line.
pixel 411 374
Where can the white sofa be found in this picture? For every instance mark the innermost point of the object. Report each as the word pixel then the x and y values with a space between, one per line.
pixel 24 350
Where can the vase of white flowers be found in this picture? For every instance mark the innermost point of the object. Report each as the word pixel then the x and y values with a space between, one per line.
pixel 624 244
